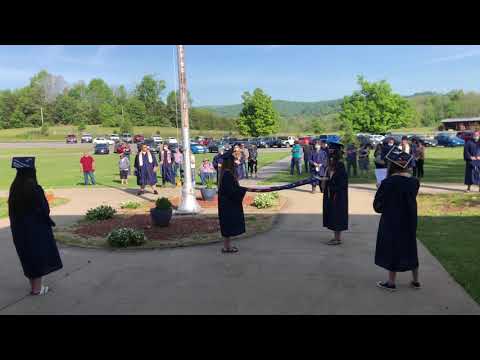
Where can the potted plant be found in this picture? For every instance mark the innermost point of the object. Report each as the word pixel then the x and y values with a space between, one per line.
pixel 162 212
pixel 209 191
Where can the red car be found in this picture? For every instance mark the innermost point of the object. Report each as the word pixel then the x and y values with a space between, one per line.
pixel 138 139
pixel 304 140
pixel 120 148
pixel 465 135
pixel 205 142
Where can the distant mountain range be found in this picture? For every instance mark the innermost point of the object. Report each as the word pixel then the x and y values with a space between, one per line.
pixel 299 108
pixel 285 108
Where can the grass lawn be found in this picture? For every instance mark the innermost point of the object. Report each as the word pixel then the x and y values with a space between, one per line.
pixel 60 168
pixel 442 165
pixel 448 227
pixel 4 205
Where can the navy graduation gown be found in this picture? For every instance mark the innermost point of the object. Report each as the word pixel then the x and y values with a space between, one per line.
pixel 335 200
pixel 230 208
pixel 396 248
pixel 33 238
pixel 470 149
pixel 145 173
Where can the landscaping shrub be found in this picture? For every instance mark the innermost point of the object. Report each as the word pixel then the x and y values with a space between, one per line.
pixel 130 205
pixel 264 201
pixel 163 204
pixel 210 184
pixel 99 213
pixel 124 237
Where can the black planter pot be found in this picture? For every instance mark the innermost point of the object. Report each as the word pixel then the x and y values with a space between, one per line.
pixel 161 217
pixel 208 194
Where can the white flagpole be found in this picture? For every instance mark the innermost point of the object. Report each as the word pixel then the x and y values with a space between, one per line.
pixel 189 204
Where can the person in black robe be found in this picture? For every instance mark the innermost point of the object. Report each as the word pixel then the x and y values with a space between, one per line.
pixel 31 228
pixel 230 207
pixel 470 153
pixel 335 197
pixel 396 248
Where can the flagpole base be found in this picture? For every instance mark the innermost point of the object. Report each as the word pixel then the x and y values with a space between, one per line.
pixel 188 205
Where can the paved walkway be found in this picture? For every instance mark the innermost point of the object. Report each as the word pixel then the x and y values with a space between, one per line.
pixel 286 271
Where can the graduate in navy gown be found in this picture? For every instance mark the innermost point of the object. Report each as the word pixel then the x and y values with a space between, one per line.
pixel 239 160
pixel 167 162
pixel 318 164
pixel 471 151
pixel 31 227
pixel 230 207
pixel 146 170
pixel 335 196
pixel 396 248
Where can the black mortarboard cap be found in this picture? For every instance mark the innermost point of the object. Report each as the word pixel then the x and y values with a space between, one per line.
pixel 333 145
pixel 23 162
pixel 228 154
pixel 399 157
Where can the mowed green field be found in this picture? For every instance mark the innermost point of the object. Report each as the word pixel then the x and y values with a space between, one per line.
pixel 60 167
pixel 442 165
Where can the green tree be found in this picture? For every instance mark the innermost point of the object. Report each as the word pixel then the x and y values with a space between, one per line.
pixel 149 91
pixel 258 116
pixel 316 126
pixel 375 108
pixel 135 111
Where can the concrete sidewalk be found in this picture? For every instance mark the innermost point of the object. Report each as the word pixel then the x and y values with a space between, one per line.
pixel 286 271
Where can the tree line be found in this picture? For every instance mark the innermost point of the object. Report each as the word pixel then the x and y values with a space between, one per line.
pixel 96 102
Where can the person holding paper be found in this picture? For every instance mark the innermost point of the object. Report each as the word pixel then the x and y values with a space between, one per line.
pixel 318 163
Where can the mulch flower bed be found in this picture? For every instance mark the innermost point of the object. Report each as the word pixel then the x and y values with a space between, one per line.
pixel 247 201
pixel 179 226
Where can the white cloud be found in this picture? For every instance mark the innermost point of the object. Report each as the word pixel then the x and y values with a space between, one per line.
pixel 456 57
pixel 59 54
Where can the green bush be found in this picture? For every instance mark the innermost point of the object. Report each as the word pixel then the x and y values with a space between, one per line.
pixel 124 237
pixel 130 205
pixel 163 204
pixel 210 184
pixel 264 201
pixel 99 213
pixel 81 126
pixel 44 130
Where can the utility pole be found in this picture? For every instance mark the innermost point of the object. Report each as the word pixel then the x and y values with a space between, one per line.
pixel 189 204
pixel 41 114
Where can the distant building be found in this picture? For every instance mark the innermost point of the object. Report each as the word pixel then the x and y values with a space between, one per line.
pixel 461 124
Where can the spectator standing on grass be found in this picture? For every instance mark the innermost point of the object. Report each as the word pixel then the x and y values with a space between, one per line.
pixel 471 152
pixel 409 149
pixel 318 164
pixel 146 167
pixel 238 162
pixel 252 160
pixel 177 162
pixel 364 159
pixel 87 167
pixel 31 228
pixel 207 171
pixel 307 149
pixel 351 160
pixel 396 249
pixel 246 157
pixel 218 160
pixel 297 156
pixel 419 158
pixel 124 168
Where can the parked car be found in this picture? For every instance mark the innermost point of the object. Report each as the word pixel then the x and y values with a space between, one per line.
pixel 138 139
pixel 101 149
pixel 157 138
pixel 305 140
pixel 214 145
pixel 71 139
pixel 114 137
pixel 151 145
pixel 102 140
pixel 196 148
pixel 127 138
pixel 120 147
pixel 86 138
pixel 287 141
pixel 172 140
pixel 465 135
pixel 426 140
pixel 449 140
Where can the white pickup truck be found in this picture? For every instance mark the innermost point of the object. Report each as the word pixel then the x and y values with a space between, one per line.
pixel 288 141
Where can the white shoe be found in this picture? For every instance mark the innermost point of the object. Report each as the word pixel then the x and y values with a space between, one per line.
pixel 43 291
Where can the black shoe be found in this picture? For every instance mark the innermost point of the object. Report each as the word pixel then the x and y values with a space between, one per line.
pixel 415 285
pixel 155 192
pixel 386 286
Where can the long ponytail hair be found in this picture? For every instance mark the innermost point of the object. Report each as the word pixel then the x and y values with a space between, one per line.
pixel 227 165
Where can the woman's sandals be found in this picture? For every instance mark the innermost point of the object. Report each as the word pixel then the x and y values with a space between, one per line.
pixel 43 291
pixel 334 242
pixel 232 250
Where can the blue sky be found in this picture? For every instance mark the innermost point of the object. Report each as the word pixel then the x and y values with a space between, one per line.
pixel 218 75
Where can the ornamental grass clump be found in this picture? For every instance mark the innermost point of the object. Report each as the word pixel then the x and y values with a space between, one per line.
pixel 130 205
pixel 125 237
pixel 163 204
pixel 103 212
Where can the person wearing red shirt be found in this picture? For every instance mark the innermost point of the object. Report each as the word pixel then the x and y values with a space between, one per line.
pixel 87 166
